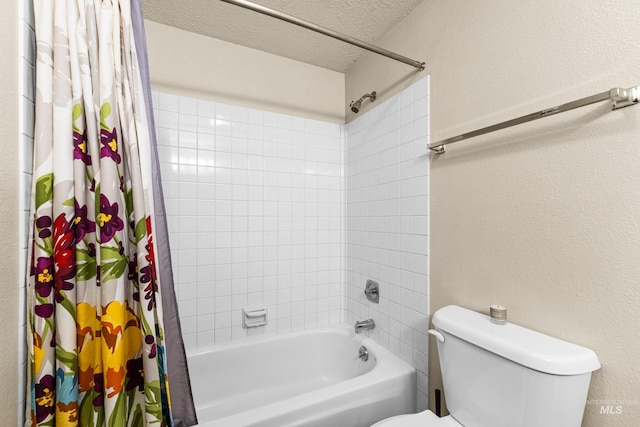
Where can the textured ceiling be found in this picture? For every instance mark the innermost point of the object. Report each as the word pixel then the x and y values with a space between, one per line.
pixel 367 20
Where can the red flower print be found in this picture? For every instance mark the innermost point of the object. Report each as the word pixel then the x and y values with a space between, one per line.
pixel 149 274
pixel 64 255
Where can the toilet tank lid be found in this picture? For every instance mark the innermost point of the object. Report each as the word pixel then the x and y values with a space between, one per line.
pixel 520 345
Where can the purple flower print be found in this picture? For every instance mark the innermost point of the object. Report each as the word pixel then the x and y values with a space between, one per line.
pixel 134 375
pixel 145 274
pixel 109 141
pixel 80 150
pixel 44 310
pixel 44 276
pixel 98 388
pixel 45 398
pixel 108 219
pixel 133 270
pixel 133 277
pixel 150 340
pixel 44 226
pixel 83 224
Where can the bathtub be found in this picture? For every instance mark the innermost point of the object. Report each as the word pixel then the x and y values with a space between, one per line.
pixel 312 378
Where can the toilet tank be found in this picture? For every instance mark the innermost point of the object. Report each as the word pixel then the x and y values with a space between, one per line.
pixel 509 376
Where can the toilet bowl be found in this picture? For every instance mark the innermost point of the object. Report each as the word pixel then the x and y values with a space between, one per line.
pixel 504 375
pixel 422 419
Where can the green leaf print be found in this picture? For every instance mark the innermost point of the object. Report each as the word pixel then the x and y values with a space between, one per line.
pixel 141 229
pixel 119 413
pixel 128 198
pixel 117 265
pixel 44 189
pixel 68 305
pixel 86 271
pixel 46 246
pixel 113 270
pixel 105 111
pixel 67 358
pixel 153 403
pixel 85 265
pixel 137 420
pixel 109 252
pixel 77 113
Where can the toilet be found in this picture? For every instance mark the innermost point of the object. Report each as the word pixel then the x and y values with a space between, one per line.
pixel 504 375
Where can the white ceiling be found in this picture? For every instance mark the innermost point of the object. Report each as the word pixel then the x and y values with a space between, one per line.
pixel 367 20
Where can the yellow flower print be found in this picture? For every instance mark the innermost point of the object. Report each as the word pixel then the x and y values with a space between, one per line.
pixel 38 351
pixel 122 339
pixel 89 345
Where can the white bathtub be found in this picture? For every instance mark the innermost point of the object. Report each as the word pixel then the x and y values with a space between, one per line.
pixel 312 378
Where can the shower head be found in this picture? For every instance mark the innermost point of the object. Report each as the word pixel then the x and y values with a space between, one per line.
pixel 355 105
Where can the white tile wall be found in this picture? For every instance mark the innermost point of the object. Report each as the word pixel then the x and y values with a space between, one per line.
pixel 256 216
pixel 27 114
pixel 388 225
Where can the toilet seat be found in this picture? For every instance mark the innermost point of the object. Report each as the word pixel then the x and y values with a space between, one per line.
pixel 421 419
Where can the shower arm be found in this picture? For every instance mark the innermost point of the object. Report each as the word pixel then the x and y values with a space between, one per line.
pixel 371 95
pixel 326 31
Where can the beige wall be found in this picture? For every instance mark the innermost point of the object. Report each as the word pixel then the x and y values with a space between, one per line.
pixel 9 175
pixel 189 64
pixel 543 218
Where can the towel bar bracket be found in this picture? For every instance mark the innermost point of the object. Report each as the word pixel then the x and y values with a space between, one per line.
pixel 621 98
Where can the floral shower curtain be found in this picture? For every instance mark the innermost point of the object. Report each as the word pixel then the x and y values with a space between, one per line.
pixel 96 334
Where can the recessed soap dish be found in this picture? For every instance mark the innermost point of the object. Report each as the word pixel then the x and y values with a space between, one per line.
pixel 252 318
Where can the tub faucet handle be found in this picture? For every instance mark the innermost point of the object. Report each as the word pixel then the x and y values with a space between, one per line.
pixel 372 291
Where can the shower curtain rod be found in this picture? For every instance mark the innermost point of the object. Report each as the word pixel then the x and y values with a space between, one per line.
pixel 327 32
pixel 619 98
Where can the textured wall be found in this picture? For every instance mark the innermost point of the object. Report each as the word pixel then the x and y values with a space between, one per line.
pixel 189 64
pixel 9 197
pixel 542 218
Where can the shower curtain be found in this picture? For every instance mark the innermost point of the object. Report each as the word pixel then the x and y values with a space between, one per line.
pixel 96 336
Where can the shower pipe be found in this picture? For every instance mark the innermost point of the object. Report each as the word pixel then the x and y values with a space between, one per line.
pixel 327 32
pixel 619 98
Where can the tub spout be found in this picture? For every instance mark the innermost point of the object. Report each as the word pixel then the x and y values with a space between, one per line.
pixel 364 324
